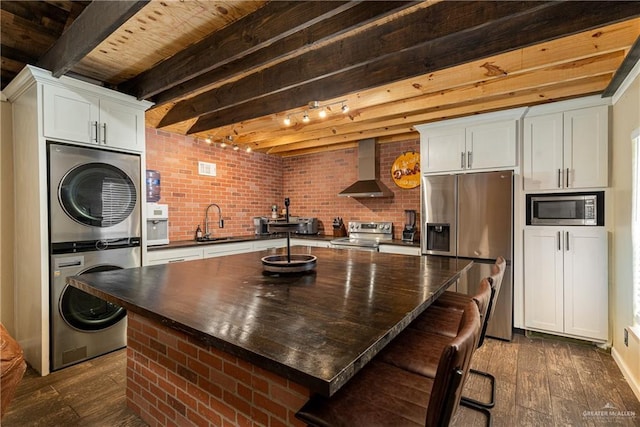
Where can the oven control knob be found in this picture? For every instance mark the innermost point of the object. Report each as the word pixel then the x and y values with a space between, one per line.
pixel 385 226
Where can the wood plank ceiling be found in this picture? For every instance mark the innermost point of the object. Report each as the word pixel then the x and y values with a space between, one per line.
pixel 235 70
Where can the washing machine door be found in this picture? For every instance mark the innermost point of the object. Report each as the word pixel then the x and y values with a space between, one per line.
pixel 86 312
pixel 97 194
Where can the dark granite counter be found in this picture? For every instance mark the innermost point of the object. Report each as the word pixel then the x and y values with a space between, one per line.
pixel 317 329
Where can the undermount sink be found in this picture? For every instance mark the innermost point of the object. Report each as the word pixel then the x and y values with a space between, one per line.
pixel 213 239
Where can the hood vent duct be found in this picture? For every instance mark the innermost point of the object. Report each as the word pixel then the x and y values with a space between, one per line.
pixel 368 184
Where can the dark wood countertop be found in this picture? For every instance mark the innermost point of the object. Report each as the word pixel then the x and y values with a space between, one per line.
pixel 317 329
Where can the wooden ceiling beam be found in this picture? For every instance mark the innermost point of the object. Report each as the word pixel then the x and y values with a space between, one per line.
pixel 272 22
pixel 283 48
pixel 376 44
pixel 401 111
pixel 528 97
pixel 544 22
pixel 95 23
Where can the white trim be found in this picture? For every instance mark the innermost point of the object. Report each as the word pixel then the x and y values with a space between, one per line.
pixel 572 104
pixel 635 71
pixel 635 133
pixel 3 97
pixel 626 372
pixel 512 114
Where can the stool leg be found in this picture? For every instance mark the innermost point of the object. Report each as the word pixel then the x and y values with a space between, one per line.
pixel 492 382
pixel 485 411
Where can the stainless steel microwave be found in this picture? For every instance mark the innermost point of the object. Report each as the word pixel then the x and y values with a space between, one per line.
pixel 566 208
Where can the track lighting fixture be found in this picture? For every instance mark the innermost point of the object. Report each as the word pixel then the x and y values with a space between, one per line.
pixel 344 108
pixel 306 118
pixel 287 121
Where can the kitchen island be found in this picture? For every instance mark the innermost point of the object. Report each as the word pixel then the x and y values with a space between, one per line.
pixel 218 341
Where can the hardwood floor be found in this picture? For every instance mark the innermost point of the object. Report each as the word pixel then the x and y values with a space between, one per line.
pixel 540 381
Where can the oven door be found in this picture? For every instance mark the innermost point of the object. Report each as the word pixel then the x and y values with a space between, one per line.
pixel 357 244
pixel 93 194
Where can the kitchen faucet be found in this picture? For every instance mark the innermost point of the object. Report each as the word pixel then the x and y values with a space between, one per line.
pixel 206 220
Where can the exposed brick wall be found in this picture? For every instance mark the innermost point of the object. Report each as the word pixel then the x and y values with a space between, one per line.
pixel 247 184
pixel 312 182
pixel 174 380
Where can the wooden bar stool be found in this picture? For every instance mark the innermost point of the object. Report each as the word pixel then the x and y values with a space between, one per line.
pixel 384 395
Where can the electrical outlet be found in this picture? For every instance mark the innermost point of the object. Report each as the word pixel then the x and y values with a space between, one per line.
pixel 626 338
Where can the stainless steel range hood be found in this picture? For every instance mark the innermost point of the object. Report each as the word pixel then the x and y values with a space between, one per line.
pixel 368 184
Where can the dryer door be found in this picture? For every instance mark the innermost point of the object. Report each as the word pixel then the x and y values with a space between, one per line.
pixel 87 313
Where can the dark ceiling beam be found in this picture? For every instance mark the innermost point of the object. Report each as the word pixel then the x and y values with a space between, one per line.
pixel 358 50
pixel 270 23
pixel 96 22
pixel 289 46
pixel 540 23
pixel 623 71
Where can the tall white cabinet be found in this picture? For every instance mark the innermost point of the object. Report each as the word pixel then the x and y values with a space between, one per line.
pixel 566 287
pixel 566 149
pixel 64 110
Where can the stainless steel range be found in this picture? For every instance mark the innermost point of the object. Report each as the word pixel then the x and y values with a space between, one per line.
pixel 365 235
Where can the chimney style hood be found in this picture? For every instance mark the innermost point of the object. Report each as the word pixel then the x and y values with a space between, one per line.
pixel 368 184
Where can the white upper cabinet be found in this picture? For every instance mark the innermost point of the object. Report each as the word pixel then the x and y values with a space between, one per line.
pixel 483 142
pixel 566 149
pixel 80 116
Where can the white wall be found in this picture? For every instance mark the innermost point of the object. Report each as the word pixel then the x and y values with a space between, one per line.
pixel 6 219
pixel 626 118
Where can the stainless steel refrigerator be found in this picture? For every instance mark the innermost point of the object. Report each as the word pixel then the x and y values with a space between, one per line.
pixel 471 216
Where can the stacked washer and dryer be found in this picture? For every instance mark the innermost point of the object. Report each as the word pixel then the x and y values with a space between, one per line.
pixel 94 225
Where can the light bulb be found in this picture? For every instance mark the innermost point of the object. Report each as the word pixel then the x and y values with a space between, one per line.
pixel 235 147
pixel 248 149
pixel 208 140
pixel 305 118
pixel 322 113
pixel 287 121
pixel 223 145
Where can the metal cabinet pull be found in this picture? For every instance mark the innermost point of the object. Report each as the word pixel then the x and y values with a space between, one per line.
pixel 469 159
pixel 95 128
pixel 567 177
pixel 567 246
pixel 462 160
pixel 559 239
pixel 175 260
pixel 104 133
pixel 559 178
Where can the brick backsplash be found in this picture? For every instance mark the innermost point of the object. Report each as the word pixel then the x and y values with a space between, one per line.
pixel 247 184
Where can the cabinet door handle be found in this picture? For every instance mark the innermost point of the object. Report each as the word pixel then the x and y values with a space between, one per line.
pixel 567 239
pixel 567 177
pixel 462 160
pixel 104 133
pixel 559 178
pixel 469 159
pixel 175 260
pixel 95 128
pixel 559 240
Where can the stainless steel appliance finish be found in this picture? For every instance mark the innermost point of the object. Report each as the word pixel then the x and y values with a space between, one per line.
pixel 260 225
pixel 93 194
pixel 566 209
pixel 83 326
pixel 310 226
pixel 365 235
pixel 471 216
pixel 368 183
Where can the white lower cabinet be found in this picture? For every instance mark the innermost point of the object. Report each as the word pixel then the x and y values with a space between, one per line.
pixel 402 250
pixel 566 281
pixel 310 242
pixel 222 249
pixel 166 256
pixel 261 245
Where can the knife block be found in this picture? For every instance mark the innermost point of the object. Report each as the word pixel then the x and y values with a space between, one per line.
pixel 340 232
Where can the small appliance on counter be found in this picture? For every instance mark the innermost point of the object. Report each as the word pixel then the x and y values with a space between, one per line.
pixel 309 226
pixel 157 224
pixel 409 231
pixel 260 225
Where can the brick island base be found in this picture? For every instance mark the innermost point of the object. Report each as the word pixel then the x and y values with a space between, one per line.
pixel 176 380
